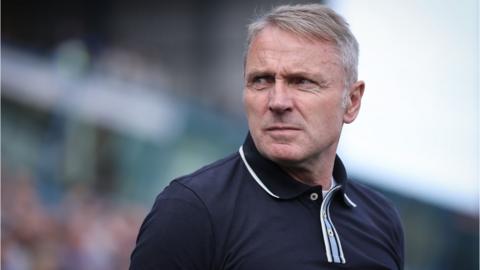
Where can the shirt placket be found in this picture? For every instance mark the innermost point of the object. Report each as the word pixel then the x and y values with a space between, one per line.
pixel 333 246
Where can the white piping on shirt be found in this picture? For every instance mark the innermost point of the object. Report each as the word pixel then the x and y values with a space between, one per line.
pixel 254 175
pixel 349 200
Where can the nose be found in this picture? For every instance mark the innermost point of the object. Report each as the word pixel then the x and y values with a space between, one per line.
pixel 279 98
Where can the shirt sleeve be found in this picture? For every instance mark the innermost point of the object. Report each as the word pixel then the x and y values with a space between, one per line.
pixel 176 234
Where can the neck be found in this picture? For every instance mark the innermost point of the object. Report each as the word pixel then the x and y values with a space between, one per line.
pixel 318 173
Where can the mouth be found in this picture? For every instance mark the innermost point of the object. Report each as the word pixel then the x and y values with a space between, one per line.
pixel 282 128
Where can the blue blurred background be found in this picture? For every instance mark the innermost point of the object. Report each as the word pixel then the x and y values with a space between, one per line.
pixel 104 102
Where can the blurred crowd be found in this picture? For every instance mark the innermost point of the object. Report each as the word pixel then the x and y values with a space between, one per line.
pixel 79 231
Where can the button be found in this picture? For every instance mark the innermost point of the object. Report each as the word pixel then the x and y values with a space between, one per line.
pixel 324 216
pixel 330 232
pixel 314 196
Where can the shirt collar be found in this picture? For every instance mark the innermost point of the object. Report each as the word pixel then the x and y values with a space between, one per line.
pixel 276 182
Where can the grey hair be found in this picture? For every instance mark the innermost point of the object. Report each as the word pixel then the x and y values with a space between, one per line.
pixel 314 22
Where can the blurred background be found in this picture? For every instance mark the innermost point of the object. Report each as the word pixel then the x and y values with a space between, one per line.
pixel 104 102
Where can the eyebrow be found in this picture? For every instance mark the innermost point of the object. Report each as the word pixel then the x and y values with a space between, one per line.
pixel 299 73
pixel 257 73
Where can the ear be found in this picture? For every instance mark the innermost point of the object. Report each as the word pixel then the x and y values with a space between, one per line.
pixel 353 101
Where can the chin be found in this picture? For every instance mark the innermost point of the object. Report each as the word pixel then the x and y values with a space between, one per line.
pixel 283 154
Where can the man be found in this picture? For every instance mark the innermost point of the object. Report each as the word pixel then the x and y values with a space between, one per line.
pixel 283 201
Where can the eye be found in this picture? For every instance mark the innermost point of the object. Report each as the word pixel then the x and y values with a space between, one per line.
pixel 304 84
pixel 261 82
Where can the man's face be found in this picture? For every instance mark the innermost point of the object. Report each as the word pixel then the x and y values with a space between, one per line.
pixel 294 97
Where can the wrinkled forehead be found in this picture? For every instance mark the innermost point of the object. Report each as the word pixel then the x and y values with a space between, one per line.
pixel 276 45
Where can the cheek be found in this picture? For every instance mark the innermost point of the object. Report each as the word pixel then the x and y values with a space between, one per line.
pixel 248 103
pixel 251 111
pixel 254 104
pixel 325 115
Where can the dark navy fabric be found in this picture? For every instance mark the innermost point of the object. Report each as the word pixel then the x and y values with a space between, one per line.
pixel 220 218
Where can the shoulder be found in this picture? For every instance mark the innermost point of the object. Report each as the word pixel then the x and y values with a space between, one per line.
pixel 200 190
pixel 178 219
pixel 367 195
pixel 183 193
pixel 377 207
pixel 187 189
pixel 380 210
pixel 383 213
pixel 181 217
pixel 222 166
pixel 215 178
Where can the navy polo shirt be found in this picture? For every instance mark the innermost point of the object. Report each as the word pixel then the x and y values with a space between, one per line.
pixel 245 213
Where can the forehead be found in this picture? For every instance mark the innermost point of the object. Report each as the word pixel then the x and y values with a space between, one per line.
pixel 275 47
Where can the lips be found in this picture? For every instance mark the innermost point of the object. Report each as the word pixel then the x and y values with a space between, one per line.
pixel 281 128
